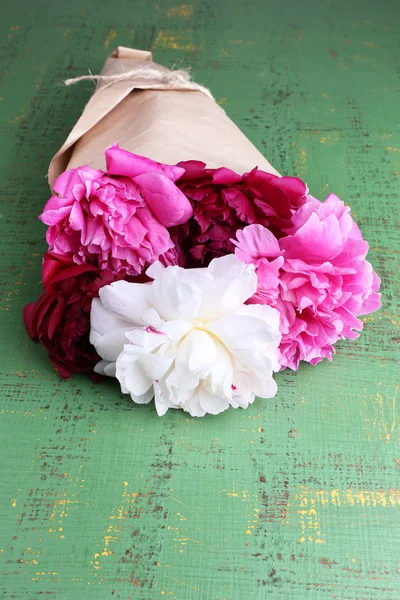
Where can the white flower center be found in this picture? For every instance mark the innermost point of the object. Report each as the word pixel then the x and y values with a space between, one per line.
pixel 197 324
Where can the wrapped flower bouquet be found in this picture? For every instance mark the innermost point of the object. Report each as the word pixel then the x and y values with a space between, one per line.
pixel 180 261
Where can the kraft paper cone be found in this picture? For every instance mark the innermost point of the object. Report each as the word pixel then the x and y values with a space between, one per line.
pixel 167 125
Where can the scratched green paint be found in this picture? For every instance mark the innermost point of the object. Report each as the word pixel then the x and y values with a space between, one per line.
pixel 297 497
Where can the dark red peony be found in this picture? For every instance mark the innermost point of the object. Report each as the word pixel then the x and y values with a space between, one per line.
pixel 224 202
pixel 60 319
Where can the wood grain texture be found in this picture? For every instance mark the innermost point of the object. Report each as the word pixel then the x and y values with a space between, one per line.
pixel 297 497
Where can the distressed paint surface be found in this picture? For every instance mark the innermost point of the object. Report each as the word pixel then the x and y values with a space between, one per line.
pixel 297 497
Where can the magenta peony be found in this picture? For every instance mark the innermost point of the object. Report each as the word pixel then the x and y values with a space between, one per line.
pixel 224 202
pixel 318 279
pixel 116 220
pixel 60 319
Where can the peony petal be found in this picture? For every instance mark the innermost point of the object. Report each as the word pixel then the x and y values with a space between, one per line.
pixel 29 315
pixel 55 316
pixel 265 313
pixel 102 321
pixel 155 269
pixel 263 387
pixel 253 341
pixel 180 385
pixel 146 339
pixel 196 353
pixel 72 177
pixel 168 203
pixel 160 399
pixel 176 329
pixel 219 381
pixel 55 211
pixel 294 188
pixel 211 404
pixel 177 293
pixel 64 371
pixel 155 366
pixel 76 218
pixel 242 399
pixel 143 398
pixel 224 176
pixel 127 301
pixel 105 367
pixel 255 242
pixel 131 374
pixel 122 162
pixel 315 241
pixel 193 406
pixel 110 345
pixel 151 318
pixel 234 283
pixel 192 169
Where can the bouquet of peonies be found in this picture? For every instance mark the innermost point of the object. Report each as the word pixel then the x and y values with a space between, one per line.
pixel 180 262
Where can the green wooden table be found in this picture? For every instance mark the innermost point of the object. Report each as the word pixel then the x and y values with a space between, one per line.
pixel 297 497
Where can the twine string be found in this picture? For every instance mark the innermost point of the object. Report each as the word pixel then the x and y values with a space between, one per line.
pixel 168 80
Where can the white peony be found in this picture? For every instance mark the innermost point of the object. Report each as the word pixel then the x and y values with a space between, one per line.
pixel 187 338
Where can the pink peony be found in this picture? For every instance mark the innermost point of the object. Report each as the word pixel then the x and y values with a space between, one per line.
pixel 224 202
pixel 257 245
pixel 322 282
pixel 116 220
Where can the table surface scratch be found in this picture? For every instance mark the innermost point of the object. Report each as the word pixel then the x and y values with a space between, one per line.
pixel 297 497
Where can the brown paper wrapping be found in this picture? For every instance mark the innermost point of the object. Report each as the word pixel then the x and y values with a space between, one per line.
pixel 166 125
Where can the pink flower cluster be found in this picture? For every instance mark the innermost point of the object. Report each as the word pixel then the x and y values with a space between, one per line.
pixel 316 276
pixel 310 256
pixel 117 220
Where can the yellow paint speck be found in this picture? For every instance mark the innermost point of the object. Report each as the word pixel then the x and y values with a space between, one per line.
pixel 110 37
pixel 166 39
pixel 182 10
